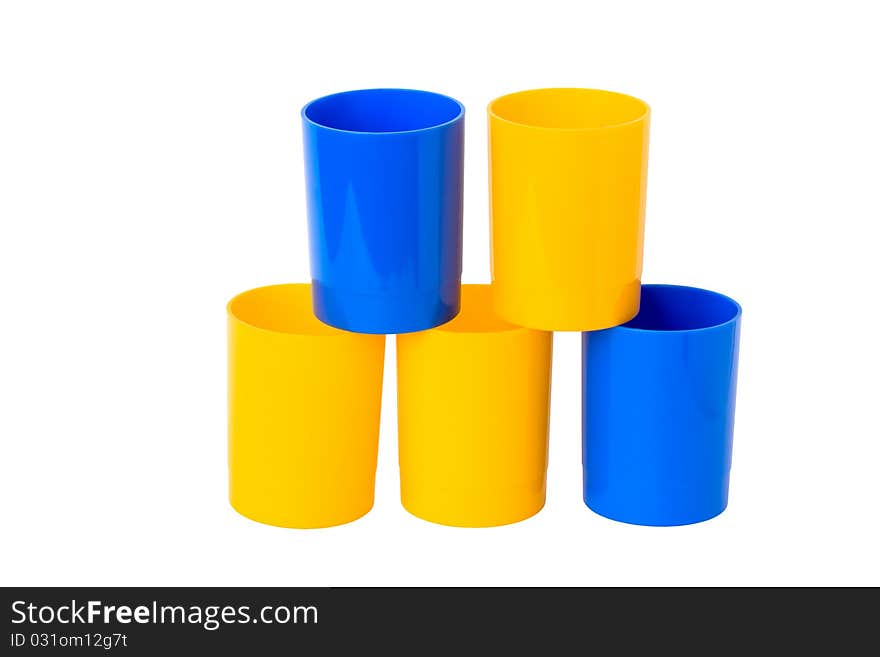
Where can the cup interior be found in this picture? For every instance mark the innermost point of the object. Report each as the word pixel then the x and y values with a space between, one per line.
pixel 679 308
pixel 280 309
pixel 383 110
pixel 568 109
pixel 477 314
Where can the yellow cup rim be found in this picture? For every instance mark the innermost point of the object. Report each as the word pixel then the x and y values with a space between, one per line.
pixel 477 315
pixel 300 323
pixel 561 92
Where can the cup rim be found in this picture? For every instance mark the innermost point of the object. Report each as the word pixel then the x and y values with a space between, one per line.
pixel 318 328
pixel 306 118
pixel 493 113
pixel 463 316
pixel 708 293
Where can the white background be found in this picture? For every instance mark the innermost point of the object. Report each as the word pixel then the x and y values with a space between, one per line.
pixel 150 168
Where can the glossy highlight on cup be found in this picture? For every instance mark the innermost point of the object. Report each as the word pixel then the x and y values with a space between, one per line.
pixel 568 175
pixel 304 403
pixel 658 406
pixel 473 415
pixel 384 186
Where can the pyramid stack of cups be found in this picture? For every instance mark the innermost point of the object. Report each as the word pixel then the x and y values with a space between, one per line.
pixel 384 179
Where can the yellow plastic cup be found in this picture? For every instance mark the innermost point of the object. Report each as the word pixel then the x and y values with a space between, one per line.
pixel 304 402
pixel 473 413
pixel 568 171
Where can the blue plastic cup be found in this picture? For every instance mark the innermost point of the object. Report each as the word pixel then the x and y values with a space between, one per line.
pixel 384 187
pixel 658 405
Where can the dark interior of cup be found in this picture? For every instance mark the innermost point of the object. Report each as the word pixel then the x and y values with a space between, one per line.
pixel 678 308
pixel 382 110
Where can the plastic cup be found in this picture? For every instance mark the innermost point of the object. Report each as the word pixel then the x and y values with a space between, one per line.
pixel 659 397
pixel 304 402
pixel 568 172
pixel 473 412
pixel 384 187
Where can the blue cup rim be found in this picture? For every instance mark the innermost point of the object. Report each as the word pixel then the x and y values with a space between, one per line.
pixel 379 90
pixel 732 318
